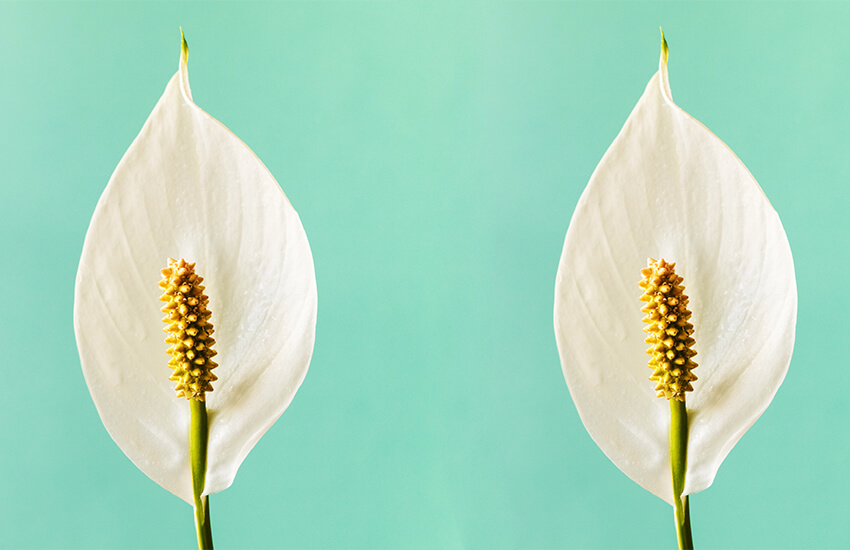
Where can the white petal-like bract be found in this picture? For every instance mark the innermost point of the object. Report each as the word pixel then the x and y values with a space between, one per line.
pixel 188 188
pixel 669 188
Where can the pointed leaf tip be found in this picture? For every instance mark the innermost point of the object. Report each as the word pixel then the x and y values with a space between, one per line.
pixel 665 51
pixel 184 48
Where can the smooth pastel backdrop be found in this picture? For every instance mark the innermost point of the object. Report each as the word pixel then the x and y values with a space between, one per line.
pixel 435 153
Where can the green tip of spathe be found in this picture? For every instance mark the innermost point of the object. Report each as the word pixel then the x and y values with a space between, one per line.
pixel 184 47
pixel 665 51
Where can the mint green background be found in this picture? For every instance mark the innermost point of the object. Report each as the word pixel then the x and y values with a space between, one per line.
pixel 435 153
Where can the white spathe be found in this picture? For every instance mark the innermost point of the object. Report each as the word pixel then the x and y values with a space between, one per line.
pixel 188 188
pixel 669 188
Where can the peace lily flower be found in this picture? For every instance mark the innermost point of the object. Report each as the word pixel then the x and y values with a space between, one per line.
pixel 669 189
pixel 188 188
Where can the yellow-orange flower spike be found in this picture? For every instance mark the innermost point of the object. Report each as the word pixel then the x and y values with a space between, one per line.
pixel 670 342
pixel 189 330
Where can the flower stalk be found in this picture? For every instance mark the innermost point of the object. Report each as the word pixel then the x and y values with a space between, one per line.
pixel 678 466
pixel 198 435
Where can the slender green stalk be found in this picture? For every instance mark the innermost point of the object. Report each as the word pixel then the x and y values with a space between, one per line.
pixel 678 465
pixel 198 434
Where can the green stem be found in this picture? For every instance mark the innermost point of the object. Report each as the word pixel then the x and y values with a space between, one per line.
pixel 678 465
pixel 198 434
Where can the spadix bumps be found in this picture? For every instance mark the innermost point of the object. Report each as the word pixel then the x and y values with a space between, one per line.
pixel 189 329
pixel 669 332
